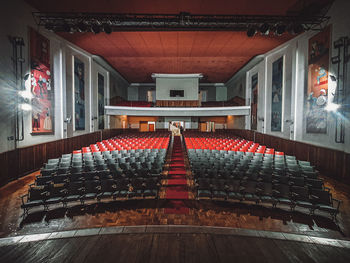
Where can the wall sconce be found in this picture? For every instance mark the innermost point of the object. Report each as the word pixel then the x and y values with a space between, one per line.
pixel 339 43
pixel 291 122
pixel 335 60
pixel 260 118
pixel 93 118
pixel 68 120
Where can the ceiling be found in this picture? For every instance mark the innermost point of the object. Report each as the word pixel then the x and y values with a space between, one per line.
pixel 136 55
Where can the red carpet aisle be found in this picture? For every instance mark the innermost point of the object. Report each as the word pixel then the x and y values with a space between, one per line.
pixel 177 184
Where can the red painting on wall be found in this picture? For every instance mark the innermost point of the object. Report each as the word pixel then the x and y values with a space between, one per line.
pixel 317 89
pixel 41 84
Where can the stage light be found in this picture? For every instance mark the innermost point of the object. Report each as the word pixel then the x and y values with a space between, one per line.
pixel 251 32
pixel 26 94
pixel 49 27
pixel 264 29
pixel 82 27
pixel 280 29
pixel 67 28
pixel 25 106
pixel 95 29
pixel 298 28
pixel 107 28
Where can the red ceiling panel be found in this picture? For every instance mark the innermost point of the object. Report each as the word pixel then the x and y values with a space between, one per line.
pixel 136 55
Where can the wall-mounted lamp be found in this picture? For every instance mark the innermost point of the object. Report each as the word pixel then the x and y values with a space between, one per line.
pixel 291 122
pixel 24 100
pixel 68 120
pixel 261 119
pixel 335 60
pixel 93 118
pixel 332 107
pixel 333 78
pixel 339 43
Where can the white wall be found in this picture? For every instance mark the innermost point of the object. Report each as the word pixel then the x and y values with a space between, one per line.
pixel 295 53
pixel 133 93
pixel 189 85
pixel 98 69
pixel 15 18
pixel 221 93
pixel 236 86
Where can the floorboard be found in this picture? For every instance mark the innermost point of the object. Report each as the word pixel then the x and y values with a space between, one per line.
pixel 172 248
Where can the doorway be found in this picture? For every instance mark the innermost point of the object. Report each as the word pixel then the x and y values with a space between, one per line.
pixel 151 126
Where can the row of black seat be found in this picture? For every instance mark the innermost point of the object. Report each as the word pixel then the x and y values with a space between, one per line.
pixel 309 197
pixel 261 178
pixel 82 191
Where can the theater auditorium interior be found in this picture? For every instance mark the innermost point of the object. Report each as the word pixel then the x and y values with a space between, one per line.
pixel 175 131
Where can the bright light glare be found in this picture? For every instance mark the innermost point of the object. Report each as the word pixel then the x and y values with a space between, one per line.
pixel 332 107
pixel 27 83
pixel 25 106
pixel 26 94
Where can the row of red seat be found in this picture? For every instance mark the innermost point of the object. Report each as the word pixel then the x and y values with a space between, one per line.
pixel 226 143
pixel 129 142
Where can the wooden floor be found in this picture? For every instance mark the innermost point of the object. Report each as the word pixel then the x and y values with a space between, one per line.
pixel 172 247
pixel 191 244
pixel 151 212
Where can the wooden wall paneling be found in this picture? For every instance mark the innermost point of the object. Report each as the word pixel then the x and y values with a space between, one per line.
pixel 259 138
pixel 26 160
pixel 288 147
pixel 333 163
pixel 267 140
pixel 40 155
pixel 9 166
pixel 315 158
pixel 346 168
pixel 338 163
pixel 301 151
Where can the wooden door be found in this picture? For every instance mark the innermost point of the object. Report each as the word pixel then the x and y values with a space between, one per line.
pixel 203 127
pixel 151 127
pixel 143 126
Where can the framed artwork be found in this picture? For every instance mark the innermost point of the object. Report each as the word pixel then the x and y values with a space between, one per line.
pixel 277 95
pixel 254 103
pixel 101 101
pixel 79 94
pixel 41 85
pixel 317 88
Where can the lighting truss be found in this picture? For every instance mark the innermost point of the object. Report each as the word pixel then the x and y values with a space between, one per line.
pixel 61 22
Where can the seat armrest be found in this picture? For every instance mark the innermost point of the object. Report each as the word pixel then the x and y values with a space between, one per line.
pixel 338 202
pixel 314 197
pixel 23 196
pixel 295 194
